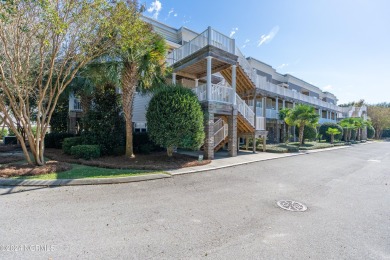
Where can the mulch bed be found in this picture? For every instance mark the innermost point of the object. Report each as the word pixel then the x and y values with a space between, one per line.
pixel 12 170
pixel 62 162
pixel 10 148
pixel 4 159
pixel 153 161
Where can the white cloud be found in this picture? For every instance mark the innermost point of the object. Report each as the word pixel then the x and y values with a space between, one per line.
pixel 266 38
pixel 328 88
pixel 282 66
pixel 155 8
pixel 245 43
pixel 171 12
pixel 233 32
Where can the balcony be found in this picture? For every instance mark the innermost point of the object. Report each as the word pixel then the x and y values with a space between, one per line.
pixel 326 120
pixel 288 93
pixel 219 93
pixel 209 37
pixel 269 113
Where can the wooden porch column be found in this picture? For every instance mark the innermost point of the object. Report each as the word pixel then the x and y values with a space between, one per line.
pixel 234 76
pixel 174 78
pixel 208 86
pixel 196 82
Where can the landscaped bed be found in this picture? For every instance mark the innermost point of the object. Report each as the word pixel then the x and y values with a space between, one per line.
pixel 152 161
pixel 294 147
pixel 62 166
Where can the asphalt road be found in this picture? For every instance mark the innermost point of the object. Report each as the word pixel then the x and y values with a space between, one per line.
pixel 223 214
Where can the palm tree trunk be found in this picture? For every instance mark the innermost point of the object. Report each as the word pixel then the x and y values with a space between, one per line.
pixel 129 82
pixel 301 129
pixel 288 134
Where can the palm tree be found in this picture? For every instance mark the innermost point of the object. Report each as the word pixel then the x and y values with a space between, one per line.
pixel 141 53
pixel 282 116
pixel 302 115
pixel 349 124
pixel 332 132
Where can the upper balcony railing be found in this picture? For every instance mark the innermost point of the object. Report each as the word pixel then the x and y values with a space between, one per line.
pixel 219 93
pixel 224 94
pixel 288 93
pixel 208 37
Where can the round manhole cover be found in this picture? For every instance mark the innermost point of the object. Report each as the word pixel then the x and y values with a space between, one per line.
pixel 291 205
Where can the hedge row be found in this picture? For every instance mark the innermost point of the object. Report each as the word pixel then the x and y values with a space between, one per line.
pixel 85 151
pixel 54 140
pixel 141 144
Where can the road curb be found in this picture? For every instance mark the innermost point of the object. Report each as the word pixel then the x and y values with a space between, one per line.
pixel 89 181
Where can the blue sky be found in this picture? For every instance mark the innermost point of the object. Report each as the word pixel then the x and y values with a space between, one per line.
pixel 341 46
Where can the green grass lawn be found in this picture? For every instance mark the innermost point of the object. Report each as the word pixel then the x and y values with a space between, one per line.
pixel 82 171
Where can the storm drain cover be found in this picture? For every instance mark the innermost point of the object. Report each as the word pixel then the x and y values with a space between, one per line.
pixel 291 205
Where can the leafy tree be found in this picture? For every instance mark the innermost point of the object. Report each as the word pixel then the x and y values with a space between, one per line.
pixel 43 44
pixel 332 132
pixel 380 118
pixel 302 115
pixel 141 54
pixel 104 120
pixel 59 119
pixel 175 119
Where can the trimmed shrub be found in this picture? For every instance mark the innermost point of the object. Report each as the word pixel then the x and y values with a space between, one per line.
pixel 10 140
pixel 309 132
pixel 54 140
pixel 370 132
pixel 324 127
pixel 175 119
pixel 119 150
pixel 104 122
pixel 85 151
pixel 143 144
pixel 69 142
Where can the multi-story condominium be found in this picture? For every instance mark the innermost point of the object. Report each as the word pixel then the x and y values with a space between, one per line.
pixel 241 96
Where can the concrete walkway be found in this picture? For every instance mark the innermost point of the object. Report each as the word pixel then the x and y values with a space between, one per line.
pixel 222 160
